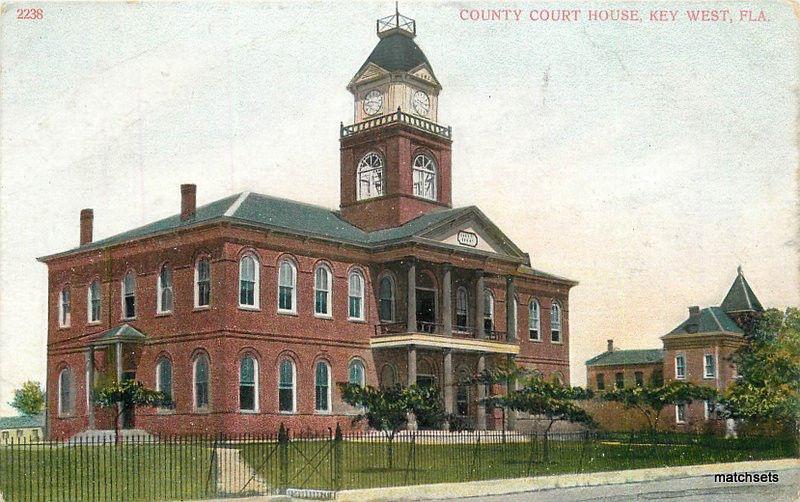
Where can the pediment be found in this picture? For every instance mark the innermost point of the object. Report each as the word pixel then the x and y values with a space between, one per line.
pixel 475 232
pixel 368 73
pixel 424 72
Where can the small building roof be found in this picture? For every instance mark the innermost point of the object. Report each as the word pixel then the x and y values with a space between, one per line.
pixel 22 422
pixel 708 320
pixel 122 333
pixel 740 297
pixel 627 357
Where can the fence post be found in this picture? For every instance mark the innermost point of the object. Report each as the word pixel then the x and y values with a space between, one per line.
pixel 337 458
pixel 283 457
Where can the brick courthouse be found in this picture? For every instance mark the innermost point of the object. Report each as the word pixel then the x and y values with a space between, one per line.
pixel 248 310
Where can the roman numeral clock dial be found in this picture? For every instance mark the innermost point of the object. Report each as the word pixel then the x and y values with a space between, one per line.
pixel 373 102
pixel 421 103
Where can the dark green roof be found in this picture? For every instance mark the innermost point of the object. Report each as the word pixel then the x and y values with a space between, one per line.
pixel 397 52
pixel 626 357
pixel 740 297
pixel 709 320
pixel 124 332
pixel 22 422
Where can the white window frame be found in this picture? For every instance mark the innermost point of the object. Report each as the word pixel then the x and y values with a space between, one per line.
pixel 126 292
pixel 162 360
pixel 372 165
pixel 329 406
pixel 255 384
pixel 678 408
pixel 64 313
pixel 534 320
pixel 161 288
pixel 556 325
pixel 207 407
pixel 358 362
pixel 328 292
pixel 392 313
pixel 679 375
pixel 488 308
pixel 256 283
pixel 294 387
pixel 292 286
pixel 713 373
pixel 66 372
pixel 422 167
pixel 359 296
pixel 90 302
pixel 461 291
pixel 197 283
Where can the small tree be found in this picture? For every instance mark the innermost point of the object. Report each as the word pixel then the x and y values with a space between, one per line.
pixel 387 410
pixel 500 374
pixel 550 400
pixel 651 401
pixel 129 393
pixel 29 399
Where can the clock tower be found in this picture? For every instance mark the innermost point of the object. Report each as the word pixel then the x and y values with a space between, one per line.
pixel 395 157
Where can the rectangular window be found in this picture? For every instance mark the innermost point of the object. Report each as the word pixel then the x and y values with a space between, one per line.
pixel 355 307
pixel 601 381
pixel 247 395
pixel 95 309
pixel 619 380
pixel 680 414
pixel 285 298
pixel 709 366
pixel 680 367
pixel 710 410
pixel 247 293
pixel 321 302
pixel 639 377
pixel 203 283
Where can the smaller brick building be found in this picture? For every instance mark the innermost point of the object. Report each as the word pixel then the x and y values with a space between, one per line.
pixel 698 350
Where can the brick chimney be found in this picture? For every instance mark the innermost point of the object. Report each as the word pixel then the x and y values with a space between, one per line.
pixel 188 201
pixel 694 312
pixel 610 346
pixel 87 222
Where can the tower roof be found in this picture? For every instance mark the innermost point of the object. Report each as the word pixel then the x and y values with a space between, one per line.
pixel 740 297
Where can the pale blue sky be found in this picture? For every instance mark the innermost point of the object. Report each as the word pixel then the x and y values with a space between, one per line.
pixel 646 161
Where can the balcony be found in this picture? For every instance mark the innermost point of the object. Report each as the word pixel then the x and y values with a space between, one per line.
pixel 432 335
pixel 398 117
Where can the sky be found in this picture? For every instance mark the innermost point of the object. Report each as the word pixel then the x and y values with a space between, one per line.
pixel 646 160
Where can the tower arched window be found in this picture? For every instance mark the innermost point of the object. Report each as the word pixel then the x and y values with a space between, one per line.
pixel 370 176
pixel 286 387
pixel 129 296
pixel 534 320
pixel 462 309
pixel 322 384
pixel 386 299
pixel 93 302
pixel 356 296
pixel 287 284
pixel 202 283
pixel 164 300
pixel 248 281
pixel 555 323
pixel 322 291
pixel 66 394
pixel 201 380
pixel 64 308
pixel 488 312
pixel 424 174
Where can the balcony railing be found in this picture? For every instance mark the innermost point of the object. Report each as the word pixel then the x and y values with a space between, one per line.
pixel 394 328
pixel 397 117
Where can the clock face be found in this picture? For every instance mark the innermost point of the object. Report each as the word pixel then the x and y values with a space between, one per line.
pixel 373 102
pixel 421 103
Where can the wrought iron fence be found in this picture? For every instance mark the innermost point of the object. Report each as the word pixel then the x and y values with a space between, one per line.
pixel 190 468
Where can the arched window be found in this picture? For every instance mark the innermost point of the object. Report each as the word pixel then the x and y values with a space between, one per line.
pixel 356 296
pixel 388 376
pixel 555 323
pixel 287 282
pixel 200 375
pixel 286 388
pixel 386 299
pixel 322 401
pixel 66 393
pixel 164 377
pixel 533 320
pixel 64 307
pixel 322 291
pixel 462 309
pixel 93 302
pixel 248 281
pixel 248 384
pixel 424 177
pixel 356 373
pixel 488 312
pixel 202 283
pixel 370 176
pixel 129 296
pixel 164 300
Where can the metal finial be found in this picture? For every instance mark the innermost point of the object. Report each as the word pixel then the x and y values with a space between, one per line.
pixel 739 270
pixel 397 14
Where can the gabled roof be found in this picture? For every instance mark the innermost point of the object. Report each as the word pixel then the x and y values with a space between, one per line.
pixel 22 422
pixel 627 357
pixel 740 297
pixel 122 333
pixel 709 320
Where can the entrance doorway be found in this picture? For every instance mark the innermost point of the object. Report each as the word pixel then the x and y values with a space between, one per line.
pixel 426 310
pixel 128 415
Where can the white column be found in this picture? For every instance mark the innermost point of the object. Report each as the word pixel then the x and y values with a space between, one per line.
pixel 411 296
pixel 412 379
pixel 448 381
pixel 479 331
pixel 447 300
pixel 90 385
pixel 481 423
pixel 511 322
